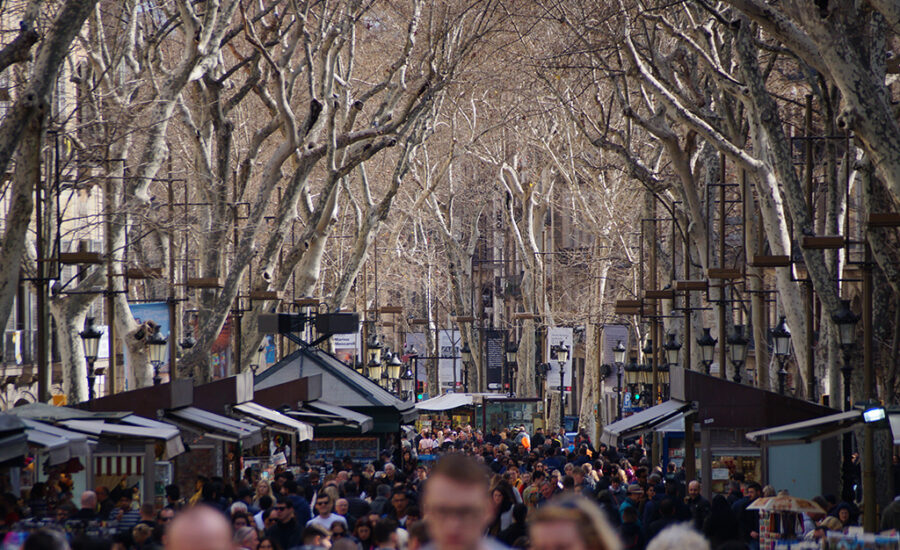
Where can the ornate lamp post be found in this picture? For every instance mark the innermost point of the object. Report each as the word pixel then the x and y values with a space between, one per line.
pixel 619 359
pixel 512 349
pixel 466 353
pixel 407 381
pixel 846 321
pixel 737 343
pixel 414 357
pixel 562 356
pixel 157 350
pixel 782 337
pixel 90 337
pixel 394 370
pixel 672 347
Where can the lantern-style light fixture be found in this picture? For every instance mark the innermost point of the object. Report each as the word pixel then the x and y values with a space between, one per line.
pixel 562 353
pixel 707 347
pixel 648 350
pixel 157 349
pixel 394 367
pixel 782 336
pixel 90 338
pixel 466 352
pixel 619 352
pixel 632 373
pixel 374 346
pixel 846 321
pixel 738 345
pixel 406 382
pixel 672 347
pixel 512 348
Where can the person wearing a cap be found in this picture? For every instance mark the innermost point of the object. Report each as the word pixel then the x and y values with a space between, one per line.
pixel 633 499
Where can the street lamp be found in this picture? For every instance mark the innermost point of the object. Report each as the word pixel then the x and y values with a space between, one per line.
pixel 512 349
pixel 846 320
pixel 90 337
pixel 619 358
pixel 394 368
pixel 672 347
pixel 466 353
pixel 737 343
pixel 157 350
pixel 406 384
pixel 782 337
pixel 707 348
pixel 374 347
pixel 562 356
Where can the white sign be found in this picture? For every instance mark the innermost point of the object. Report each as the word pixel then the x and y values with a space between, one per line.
pixel 612 334
pixel 450 363
pixel 555 337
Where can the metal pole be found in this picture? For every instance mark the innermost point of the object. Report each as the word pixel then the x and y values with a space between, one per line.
pixel 870 512
pixel 43 364
pixel 654 323
pixel 562 398
pixel 723 368
pixel 847 443
pixel 808 301
pixel 109 200
pixel 172 300
pixel 619 392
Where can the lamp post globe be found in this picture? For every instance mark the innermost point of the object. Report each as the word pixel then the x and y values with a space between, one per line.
pixel 619 352
pixel 672 347
pixel 781 335
pixel 156 345
pixel 738 345
pixel 707 348
pixel 90 338
pixel 374 348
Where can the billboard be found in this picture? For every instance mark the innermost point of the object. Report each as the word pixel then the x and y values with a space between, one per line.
pixel 611 336
pixel 450 362
pixel 556 336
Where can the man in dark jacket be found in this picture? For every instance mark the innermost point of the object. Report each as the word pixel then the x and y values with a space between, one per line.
pixel 666 518
pixel 698 506
pixel 748 520
pixel 286 531
pixel 298 501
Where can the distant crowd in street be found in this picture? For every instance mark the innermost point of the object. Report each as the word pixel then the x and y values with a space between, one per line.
pixel 443 489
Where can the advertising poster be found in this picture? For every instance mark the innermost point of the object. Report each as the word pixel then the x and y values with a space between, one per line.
pixel 450 362
pixel 346 347
pixel 556 336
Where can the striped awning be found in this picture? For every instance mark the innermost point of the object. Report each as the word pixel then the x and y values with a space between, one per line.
pixel 118 465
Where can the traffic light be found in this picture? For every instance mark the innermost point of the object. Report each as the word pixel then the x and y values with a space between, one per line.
pixel 420 390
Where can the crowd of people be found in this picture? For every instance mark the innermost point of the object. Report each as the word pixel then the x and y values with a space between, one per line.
pixel 442 489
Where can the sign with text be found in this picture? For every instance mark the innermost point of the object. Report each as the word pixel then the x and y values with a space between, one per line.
pixel 555 337
pixel 494 358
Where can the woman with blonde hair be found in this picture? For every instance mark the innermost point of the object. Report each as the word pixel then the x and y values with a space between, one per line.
pixel 262 489
pixel 575 524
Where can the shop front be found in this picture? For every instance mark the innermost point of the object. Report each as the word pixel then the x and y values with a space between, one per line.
pixel 703 426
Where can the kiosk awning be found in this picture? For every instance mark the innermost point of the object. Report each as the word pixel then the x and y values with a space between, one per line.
pixel 304 430
pixel 364 422
pixel 815 429
pixel 643 421
pixel 446 402
pixel 217 426
pixel 132 427
pixel 59 444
